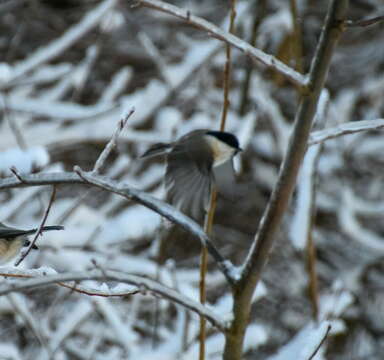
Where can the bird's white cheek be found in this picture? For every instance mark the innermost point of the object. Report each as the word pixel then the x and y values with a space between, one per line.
pixel 9 250
pixel 223 155
pixel 221 151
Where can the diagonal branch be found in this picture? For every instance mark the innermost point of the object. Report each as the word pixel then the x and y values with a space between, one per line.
pixel 273 215
pixel 365 22
pixel 214 31
pixel 112 142
pixel 141 197
pixel 142 283
pixel 85 290
pixel 347 128
pixel 165 210
pixel 297 147
pixel 40 228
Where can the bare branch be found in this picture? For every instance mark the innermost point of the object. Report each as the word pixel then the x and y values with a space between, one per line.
pixel 364 23
pixel 142 283
pixel 40 228
pixel 297 148
pixel 112 143
pixel 92 292
pixel 214 31
pixel 227 68
pixel 320 136
pixel 270 222
pixel 16 173
pixel 75 287
pixel 162 208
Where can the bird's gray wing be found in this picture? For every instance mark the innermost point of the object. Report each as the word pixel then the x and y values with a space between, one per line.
pixel 224 176
pixel 188 182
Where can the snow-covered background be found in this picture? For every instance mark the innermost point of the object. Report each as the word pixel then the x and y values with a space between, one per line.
pixel 69 70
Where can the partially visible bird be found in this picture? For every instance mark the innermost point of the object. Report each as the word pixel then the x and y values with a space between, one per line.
pixel 195 162
pixel 12 240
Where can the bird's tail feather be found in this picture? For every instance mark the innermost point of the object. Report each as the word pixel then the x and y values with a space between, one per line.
pixel 45 228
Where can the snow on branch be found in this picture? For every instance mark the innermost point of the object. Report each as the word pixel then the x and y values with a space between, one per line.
pixel 144 284
pixel 352 127
pixel 214 31
pixel 86 290
pixel 112 143
pixel 160 207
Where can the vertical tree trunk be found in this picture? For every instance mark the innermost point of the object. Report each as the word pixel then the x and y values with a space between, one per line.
pixel 285 185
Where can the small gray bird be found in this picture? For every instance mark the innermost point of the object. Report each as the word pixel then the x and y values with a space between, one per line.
pixel 12 240
pixel 194 162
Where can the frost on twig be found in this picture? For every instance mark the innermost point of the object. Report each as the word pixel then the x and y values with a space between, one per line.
pixel 319 136
pixel 112 143
pixel 25 253
pixel 143 283
pixel 227 37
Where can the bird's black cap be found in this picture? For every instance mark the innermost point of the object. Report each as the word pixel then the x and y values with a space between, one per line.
pixel 226 137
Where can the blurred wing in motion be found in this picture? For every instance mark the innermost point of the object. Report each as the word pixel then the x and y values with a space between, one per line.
pixel 188 178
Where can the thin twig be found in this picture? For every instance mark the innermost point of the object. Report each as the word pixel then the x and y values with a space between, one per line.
pixel 258 17
pixel 364 23
pixel 321 342
pixel 76 287
pixel 308 182
pixel 214 31
pixel 313 282
pixel 296 39
pixel 40 228
pixel 91 292
pixel 227 68
pixel 310 246
pixel 347 128
pixel 212 204
pixel 112 142
pixel 16 173
pixel 144 284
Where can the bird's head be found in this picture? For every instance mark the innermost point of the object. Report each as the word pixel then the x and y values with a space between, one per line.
pixel 224 146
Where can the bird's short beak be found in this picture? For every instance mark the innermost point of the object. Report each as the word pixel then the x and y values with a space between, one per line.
pixel 239 150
